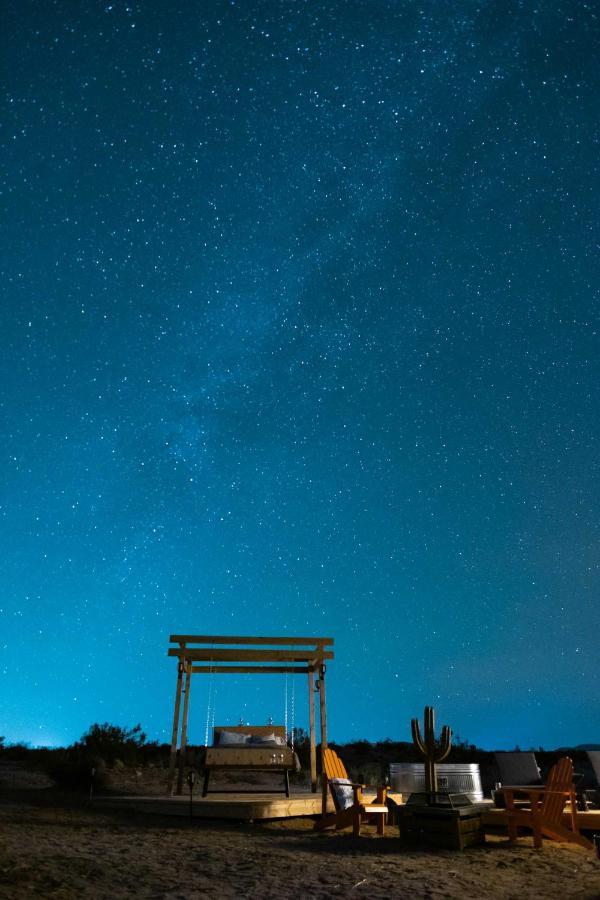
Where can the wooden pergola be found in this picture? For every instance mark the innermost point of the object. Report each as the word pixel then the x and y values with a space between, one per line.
pixel 200 654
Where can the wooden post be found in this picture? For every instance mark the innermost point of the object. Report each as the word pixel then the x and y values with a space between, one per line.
pixel 173 758
pixel 186 702
pixel 311 727
pixel 323 720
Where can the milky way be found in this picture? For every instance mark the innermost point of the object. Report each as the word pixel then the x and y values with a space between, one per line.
pixel 300 336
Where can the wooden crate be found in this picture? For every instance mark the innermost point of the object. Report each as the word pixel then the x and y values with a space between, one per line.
pixel 453 829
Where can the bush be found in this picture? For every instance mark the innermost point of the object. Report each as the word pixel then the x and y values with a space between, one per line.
pixel 16 752
pixel 111 743
pixel 72 770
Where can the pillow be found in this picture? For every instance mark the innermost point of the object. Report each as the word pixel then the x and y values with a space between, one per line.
pixel 343 792
pixel 232 738
pixel 280 740
pixel 262 740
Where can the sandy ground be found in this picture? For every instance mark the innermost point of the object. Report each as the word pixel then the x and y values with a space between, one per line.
pixel 55 846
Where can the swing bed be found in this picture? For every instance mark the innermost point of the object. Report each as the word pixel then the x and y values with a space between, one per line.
pixel 259 748
pixel 253 747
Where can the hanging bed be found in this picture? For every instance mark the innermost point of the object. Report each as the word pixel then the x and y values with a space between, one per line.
pixel 259 748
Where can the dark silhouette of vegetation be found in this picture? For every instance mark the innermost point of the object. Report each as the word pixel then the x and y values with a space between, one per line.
pixel 105 748
pixel 100 748
pixel 111 742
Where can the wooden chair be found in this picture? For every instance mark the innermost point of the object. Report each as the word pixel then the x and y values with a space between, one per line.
pixel 350 806
pixel 594 758
pixel 547 806
pixel 518 767
pixel 593 793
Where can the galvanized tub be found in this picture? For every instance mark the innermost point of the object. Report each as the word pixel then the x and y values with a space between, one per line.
pixel 464 778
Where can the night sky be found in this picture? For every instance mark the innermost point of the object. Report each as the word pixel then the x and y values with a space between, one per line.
pixel 300 336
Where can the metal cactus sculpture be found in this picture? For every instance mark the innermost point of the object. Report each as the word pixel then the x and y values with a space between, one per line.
pixel 432 751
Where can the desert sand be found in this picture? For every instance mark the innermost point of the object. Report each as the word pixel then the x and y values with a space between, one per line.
pixel 53 845
pixel 56 844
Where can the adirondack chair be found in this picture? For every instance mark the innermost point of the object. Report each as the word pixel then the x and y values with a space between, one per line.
pixel 350 806
pixel 594 758
pixel 593 794
pixel 548 801
pixel 518 767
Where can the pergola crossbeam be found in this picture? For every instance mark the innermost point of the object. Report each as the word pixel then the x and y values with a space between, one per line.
pixel 194 653
pixel 248 670
pixel 247 641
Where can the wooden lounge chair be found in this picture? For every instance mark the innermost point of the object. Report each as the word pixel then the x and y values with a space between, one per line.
pixel 593 793
pixel 548 802
pixel 350 806
pixel 594 758
pixel 517 767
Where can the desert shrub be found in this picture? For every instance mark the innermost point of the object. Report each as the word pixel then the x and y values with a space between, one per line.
pixel 194 756
pixel 153 753
pixel 72 770
pixel 112 743
pixel 101 746
pixel 302 747
pixel 16 752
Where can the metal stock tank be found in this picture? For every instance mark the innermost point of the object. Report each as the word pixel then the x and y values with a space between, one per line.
pixel 464 778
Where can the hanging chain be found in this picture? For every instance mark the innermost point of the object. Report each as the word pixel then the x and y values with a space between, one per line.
pixel 285 708
pixel 293 713
pixel 210 704
pixel 212 718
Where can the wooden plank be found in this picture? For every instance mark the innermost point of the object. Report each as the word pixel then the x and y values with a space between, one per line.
pixel 249 670
pixel 333 765
pixel 225 639
pixel 323 709
pixel 184 723
pixel 588 820
pixel 311 730
pixel 323 723
pixel 249 655
pixel 269 760
pixel 175 732
pixel 230 806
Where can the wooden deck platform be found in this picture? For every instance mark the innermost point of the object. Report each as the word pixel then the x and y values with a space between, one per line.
pixel 241 807
pixel 244 807
pixel 588 821
pixel 254 807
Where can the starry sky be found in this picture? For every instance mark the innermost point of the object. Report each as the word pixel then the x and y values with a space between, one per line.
pixel 299 329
